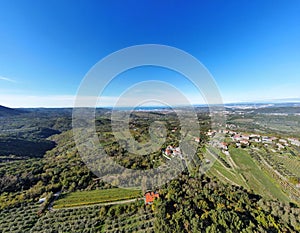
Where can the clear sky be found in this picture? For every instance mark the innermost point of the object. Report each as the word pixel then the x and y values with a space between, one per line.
pixel 252 48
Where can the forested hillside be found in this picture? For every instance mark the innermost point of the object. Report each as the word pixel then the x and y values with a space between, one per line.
pixel 204 204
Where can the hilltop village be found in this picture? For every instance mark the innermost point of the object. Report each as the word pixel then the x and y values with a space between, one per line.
pixel 243 140
pixel 238 140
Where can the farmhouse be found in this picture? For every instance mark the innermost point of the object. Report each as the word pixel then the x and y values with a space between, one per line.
pixel 172 151
pixel 245 137
pixel 226 152
pixel 211 133
pixel 169 150
pixel 222 145
pixel 150 196
pixel 266 139
pixel 237 137
pixel 280 146
pixel 244 142
pixel 42 200
pixel 253 136
pixel 197 139
pixel 283 141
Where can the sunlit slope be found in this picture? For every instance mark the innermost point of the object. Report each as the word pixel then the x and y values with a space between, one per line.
pixel 244 171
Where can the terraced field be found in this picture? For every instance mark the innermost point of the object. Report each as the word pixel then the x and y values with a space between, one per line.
pixel 289 162
pixel 257 179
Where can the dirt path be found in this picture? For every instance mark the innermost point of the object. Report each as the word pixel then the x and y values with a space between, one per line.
pixel 216 159
pixel 231 162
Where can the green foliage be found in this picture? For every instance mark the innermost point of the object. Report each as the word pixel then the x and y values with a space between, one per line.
pixel 20 218
pixel 61 169
pixel 30 148
pixel 120 218
pixel 204 205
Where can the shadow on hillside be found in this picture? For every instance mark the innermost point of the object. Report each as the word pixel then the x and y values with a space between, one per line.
pixel 26 148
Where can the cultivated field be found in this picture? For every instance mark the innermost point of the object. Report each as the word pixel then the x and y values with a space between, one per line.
pixel 19 219
pixel 95 197
pixel 245 171
pixel 97 219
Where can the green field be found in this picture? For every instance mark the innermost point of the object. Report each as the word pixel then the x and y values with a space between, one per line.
pixel 225 175
pixel 257 179
pixel 249 175
pixel 81 198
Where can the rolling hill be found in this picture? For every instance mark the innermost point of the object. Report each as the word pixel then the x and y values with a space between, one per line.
pixel 5 111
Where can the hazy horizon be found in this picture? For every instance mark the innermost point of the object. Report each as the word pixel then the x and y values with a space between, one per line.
pixel 260 102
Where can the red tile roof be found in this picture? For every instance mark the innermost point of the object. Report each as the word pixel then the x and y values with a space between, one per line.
pixel 150 196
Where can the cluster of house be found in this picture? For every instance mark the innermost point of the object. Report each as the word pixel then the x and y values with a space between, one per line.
pixel 243 140
pixel 294 141
pixel 171 151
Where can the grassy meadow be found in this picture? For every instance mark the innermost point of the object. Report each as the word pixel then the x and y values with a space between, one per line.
pixel 81 198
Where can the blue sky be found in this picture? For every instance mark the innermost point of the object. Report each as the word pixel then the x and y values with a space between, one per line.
pixel 252 48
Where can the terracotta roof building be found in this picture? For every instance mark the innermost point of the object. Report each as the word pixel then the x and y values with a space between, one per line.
pixel 150 196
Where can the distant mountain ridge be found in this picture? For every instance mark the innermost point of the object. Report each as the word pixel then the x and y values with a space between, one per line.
pixel 5 111
pixel 272 103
